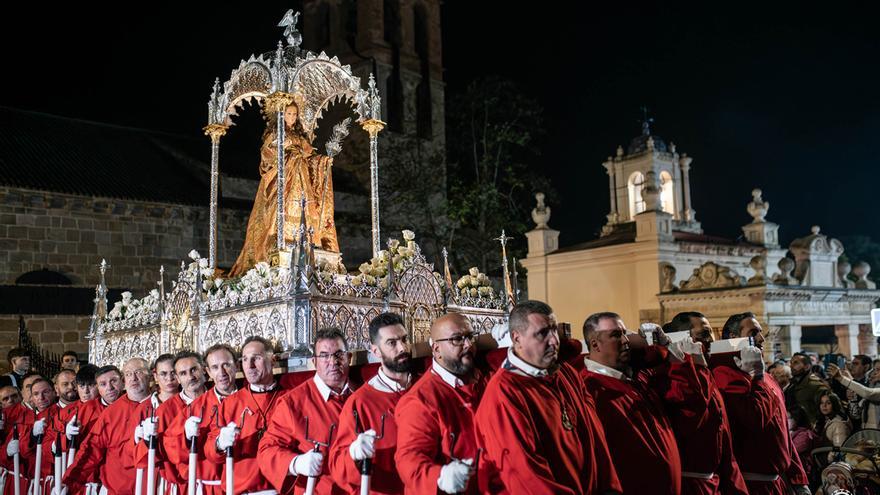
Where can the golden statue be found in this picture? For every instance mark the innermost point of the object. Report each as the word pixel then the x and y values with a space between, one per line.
pixel 307 173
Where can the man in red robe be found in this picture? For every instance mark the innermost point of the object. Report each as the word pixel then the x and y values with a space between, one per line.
pixel 44 431
pixel 189 373
pixel 244 417
pixel 287 457
pixel 629 401
pixel 106 450
pixel 536 421
pixel 194 422
pixel 758 421
pixel 373 438
pixel 707 461
pixel 164 378
pixel 65 388
pixel 436 434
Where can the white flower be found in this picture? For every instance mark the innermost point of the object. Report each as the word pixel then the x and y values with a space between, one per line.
pixel 208 284
pixel 154 293
pixel 218 282
pixel 126 298
pixel 203 263
pixel 369 280
pixel 364 268
pixel 408 235
pixel 474 271
pixel 357 281
pixel 194 255
pixel 393 244
pixel 261 268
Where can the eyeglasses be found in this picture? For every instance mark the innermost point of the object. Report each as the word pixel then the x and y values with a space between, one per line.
pixel 336 356
pixel 142 371
pixel 458 340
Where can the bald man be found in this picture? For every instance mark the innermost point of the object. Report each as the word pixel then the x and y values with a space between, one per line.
pixel 436 437
pixel 106 449
pixel 9 396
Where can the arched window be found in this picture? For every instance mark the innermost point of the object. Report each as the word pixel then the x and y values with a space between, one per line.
pixel 42 277
pixel 667 193
pixel 634 190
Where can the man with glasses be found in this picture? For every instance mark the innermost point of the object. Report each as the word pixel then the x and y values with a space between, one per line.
pixel 536 422
pixel 195 420
pixel 436 436
pixel 374 435
pixel 244 417
pixel 287 452
pixel 106 451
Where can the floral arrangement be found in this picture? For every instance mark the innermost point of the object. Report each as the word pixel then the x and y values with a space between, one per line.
pixel 475 284
pixel 129 308
pixel 374 273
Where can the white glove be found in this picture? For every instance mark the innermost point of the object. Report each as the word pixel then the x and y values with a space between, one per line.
pixel 501 334
pixel 751 361
pixel 695 349
pixel 227 436
pixel 138 433
pixel 308 464
pixel 55 490
pixel 362 447
pixel 149 427
pixel 455 475
pixel 72 429
pixel 2 421
pixel 92 488
pixel 676 353
pixel 12 448
pixel 39 427
pixel 52 448
pixel 191 427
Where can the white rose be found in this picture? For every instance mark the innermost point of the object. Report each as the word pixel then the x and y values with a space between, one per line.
pixel 474 271
pixel 364 268
pixel 154 293
pixel 370 280
pixel 126 298
pixel 194 255
pixel 408 235
pixel 473 293
pixel 393 244
pixel 357 281
pixel 203 263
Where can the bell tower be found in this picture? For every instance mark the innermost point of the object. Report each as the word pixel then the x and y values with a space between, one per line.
pixel 399 40
pixel 631 172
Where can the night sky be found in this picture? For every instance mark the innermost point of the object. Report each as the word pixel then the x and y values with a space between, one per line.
pixel 785 99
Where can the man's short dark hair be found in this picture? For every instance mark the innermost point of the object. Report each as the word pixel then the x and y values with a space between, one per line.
pixel 55 378
pixel 220 347
pixel 592 322
pixel 161 359
pixel 863 359
pixel 383 320
pixel 331 333
pixel 682 321
pixel 70 353
pixel 518 321
pixel 187 354
pixel 16 352
pixel 85 377
pixel 256 338
pixel 805 358
pixel 733 325
pixel 107 369
pixel 41 379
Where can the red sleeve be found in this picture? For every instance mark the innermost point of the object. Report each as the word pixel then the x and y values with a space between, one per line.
pixel 278 447
pixel 418 433
pixel 688 391
pixel 163 430
pixel 749 403
pixel 507 436
pixel 91 454
pixel 342 467
pixel 731 480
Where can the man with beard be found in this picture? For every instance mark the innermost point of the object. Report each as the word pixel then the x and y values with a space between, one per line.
pixel 707 461
pixel 805 387
pixel 758 420
pixel 536 422
pixel 195 421
pixel 65 388
pixel 287 458
pixel 189 371
pixel 105 451
pixel 436 435
pixel 246 415
pixel 374 404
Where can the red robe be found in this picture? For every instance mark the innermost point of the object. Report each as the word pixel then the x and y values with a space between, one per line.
pixel 759 430
pixel 520 427
pixel 86 414
pixel 252 412
pixel 285 438
pixel 176 447
pixel 21 418
pixel 104 451
pixel 371 402
pixel 165 413
pixel 28 447
pixel 426 417
pixel 639 434
pixel 705 444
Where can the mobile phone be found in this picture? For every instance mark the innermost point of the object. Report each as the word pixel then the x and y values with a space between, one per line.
pixel 841 362
pixel 826 360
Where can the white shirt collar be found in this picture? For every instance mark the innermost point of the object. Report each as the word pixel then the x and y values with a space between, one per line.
pixel 452 380
pixel 325 389
pixel 263 388
pixel 221 397
pixel 185 398
pixel 63 404
pixel 524 367
pixel 603 370
pixel 382 383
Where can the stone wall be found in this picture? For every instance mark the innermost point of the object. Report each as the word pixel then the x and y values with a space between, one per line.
pixel 71 234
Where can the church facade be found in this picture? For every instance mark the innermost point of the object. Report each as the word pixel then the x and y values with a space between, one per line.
pixel 653 260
